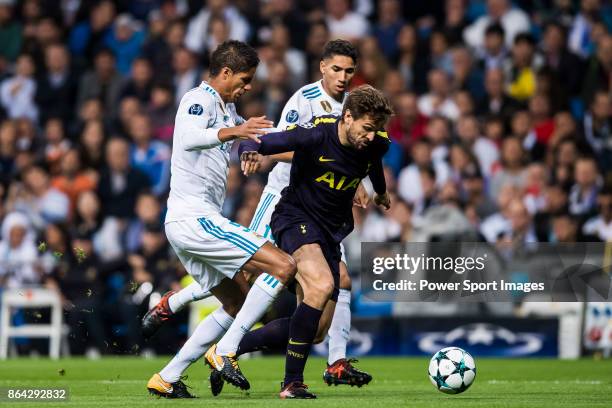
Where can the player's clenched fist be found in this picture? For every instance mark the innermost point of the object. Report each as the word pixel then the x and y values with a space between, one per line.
pixel 250 162
pixel 383 200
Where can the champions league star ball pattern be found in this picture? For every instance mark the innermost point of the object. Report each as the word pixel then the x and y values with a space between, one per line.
pixel 452 370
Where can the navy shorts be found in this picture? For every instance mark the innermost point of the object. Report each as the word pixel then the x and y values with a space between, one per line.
pixel 292 228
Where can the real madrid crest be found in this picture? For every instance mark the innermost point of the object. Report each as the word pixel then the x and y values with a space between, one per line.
pixel 327 106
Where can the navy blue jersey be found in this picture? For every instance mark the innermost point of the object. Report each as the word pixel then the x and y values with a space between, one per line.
pixel 324 173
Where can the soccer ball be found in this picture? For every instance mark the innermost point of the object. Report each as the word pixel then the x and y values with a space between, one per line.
pixel 452 370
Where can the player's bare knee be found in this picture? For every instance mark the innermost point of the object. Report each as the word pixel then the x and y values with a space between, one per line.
pixel 324 289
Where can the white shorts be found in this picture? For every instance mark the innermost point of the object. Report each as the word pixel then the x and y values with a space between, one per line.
pixel 263 214
pixel 212 247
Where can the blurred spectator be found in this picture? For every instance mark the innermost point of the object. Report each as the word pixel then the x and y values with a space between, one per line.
pixel 583 195
pixel 410 63
pixel 564 228
pixel 565 156
pixel 56 144
pixel 410 184
pixel 388 26
pixel 536 179
pixel 10 36
pixel 455 21
pixel 541 115
pixel 56 89
pixel 218 32
pixel 408 124
pixel 600 226
pixel 161 110
pixel 140 82
pixel 599 70
pixel 159 49
pixel 149 156
pixel 105 232
pixel 493 53
pixel 474 194
pixel 438 101
pixel 521 70
pixel 315 43
pixel 288 13
pixel 87 37
pixel 8 151
pixel 72 180
pixel 514 21
pixel 36 198
pixel 522 127
pixel 125 40
pixel 186 73
pixel 278 48
pixel 129 107
pixel 496 225
pixel 148 212
pixel 343 22
pixel 580 40
pixel 465 75
pixel 195 39
pixel 522 229
pixel 373 67
pixel 45 32
pixel 119 183
pixel 17 92
pixel 496 101
pixel 597 128
pixel 18 252
pixel 483 149
pixel 511 170
pixel 567 66
pixel 440 53
pixel 277 92
pixel 92 145
pixel 103 82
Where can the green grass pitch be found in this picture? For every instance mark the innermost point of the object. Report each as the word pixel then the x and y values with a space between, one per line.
pixel 398 382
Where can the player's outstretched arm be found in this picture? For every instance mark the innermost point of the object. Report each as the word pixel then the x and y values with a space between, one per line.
pixel 250 129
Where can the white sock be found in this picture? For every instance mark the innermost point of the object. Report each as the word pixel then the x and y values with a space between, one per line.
pixel 188 294
pixel 340 328
pixel 263 292
pixel 205 334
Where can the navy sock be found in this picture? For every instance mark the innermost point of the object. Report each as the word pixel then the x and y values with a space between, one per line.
pixel 273 336
pixel 302 331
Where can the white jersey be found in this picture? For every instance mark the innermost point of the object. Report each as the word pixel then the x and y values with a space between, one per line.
pixel 200 162
pixel 306 103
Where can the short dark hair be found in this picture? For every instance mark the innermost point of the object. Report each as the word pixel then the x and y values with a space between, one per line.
pixel 526 38
pixel 235 55
pixel 495 29
pixel 340 47
pixel 367 100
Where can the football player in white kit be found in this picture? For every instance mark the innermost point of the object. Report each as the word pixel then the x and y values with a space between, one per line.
pixel 212 248
pixel 324 97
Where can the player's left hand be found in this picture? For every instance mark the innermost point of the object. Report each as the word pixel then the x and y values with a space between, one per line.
pixel 383 200
pixel 250 162
pixel 361 198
